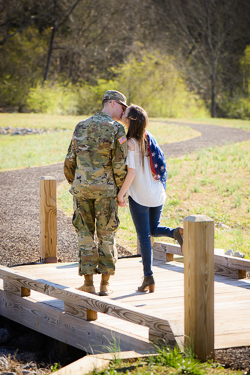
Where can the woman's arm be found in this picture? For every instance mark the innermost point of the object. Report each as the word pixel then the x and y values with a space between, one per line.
pixel 128 180
pixel 126 184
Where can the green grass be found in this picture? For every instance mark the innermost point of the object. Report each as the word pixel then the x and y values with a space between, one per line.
pixel 214 182
pixel 168 361
pixel 33 150
pixel 36 120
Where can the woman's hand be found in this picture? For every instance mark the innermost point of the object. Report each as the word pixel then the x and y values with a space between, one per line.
pixel 122 202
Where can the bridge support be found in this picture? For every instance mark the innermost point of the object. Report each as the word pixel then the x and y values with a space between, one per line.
pixel 199 285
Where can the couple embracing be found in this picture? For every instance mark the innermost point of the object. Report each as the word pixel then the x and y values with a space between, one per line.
pixel 103 166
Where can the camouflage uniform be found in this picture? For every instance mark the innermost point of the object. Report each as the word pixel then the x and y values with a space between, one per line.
pixel 95 166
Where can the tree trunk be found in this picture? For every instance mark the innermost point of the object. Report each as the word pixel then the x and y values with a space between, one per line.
pixel 213 96
pixel 51 43
pixel 49 53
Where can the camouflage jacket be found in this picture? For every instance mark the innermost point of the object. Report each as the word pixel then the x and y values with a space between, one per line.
pixel 95 163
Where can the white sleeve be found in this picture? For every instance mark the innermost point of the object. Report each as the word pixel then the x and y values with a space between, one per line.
pixel 130 161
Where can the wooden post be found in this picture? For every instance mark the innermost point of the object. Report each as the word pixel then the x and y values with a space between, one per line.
pixel 199 285
pixel 48 220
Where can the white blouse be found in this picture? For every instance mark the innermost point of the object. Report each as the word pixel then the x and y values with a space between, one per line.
pixel 144 189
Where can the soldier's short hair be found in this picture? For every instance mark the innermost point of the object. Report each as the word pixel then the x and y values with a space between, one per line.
pixel 105 101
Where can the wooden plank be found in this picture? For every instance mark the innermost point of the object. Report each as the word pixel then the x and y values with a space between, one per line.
pixel 227 262
pixel 160 249
pixel 95 362
pixel 15 289
pixel 88 336
pixel 48 219
pixel 80 312
pixel 92 302
pixel 224 265
pixel 199 285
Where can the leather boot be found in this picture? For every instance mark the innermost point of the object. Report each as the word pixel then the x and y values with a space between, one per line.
pixel 148 284
pixel 88 285
pixel 178 236
pixel 105 287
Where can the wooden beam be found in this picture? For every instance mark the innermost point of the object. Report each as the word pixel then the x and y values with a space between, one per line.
pixel 225 262
pixel 95 362
pixel 15 289
pixel 92 302
pixel 80 312
pixel 199 285
pixel 48 219
pixel 161 249
pixel 224 265
pixel 92 337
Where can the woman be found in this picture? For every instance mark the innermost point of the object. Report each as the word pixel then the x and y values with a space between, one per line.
pixel 146 190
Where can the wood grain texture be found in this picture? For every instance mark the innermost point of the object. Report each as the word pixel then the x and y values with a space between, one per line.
pixel 92 337
pixel 89 301
pixel 95 362
pixel 80 312
pixel 48 219
pixel 199 285
pixel 224 265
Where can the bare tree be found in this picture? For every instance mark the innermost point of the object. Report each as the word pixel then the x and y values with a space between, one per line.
pixel 203 36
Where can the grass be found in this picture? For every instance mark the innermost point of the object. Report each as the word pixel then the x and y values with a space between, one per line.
pixel 168 361
pixel 215 181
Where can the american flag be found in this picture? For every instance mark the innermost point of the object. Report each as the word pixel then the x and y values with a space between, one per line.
pixel 157 160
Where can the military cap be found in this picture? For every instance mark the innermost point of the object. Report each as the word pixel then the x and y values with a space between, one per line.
pixel 115 95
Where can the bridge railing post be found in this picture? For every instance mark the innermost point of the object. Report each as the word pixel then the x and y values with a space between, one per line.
pixel 198 249
pixel 48 219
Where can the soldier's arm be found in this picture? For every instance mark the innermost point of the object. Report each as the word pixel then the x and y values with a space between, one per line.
pixel 70 164
pixel 119 154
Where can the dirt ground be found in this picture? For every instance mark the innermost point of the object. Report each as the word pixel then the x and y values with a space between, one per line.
pixel 19 215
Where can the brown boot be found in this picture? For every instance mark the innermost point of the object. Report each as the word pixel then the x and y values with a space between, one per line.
pixel 178 236
pixel 105 287
pixel 88 285
pixel 148 284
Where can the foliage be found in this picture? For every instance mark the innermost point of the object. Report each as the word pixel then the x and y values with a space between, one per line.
pixel 18 75
pixel 238 105
pixel 57 99
pixel 154 83
pixel 167 361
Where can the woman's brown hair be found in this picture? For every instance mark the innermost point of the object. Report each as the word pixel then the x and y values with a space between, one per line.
pixel 138 121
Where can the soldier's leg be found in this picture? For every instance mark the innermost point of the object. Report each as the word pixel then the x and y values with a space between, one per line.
pixel 107 223
pixel 84 223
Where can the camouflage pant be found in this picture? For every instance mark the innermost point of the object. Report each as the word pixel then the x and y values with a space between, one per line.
pixel 100 215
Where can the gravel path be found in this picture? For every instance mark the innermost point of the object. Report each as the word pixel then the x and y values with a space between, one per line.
pixel 19 216
pixel 19 201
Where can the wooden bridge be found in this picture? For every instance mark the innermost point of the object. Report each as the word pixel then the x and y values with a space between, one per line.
pixel 208 305
pixel 43 297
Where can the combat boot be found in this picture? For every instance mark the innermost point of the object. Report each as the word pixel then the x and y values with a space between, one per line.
pixel 105 287
pixel 88 285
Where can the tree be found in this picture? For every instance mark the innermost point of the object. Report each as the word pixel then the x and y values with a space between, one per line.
pixel 207 37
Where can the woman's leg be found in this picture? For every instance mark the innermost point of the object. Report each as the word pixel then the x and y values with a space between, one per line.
pixel 140 216
pixel 156 229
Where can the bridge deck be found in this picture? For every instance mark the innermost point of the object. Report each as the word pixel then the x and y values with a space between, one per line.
pixel 232 297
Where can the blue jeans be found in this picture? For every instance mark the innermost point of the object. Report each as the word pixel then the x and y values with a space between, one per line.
pixel 147 223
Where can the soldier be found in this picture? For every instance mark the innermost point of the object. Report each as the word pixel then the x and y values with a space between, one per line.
pixel 95 168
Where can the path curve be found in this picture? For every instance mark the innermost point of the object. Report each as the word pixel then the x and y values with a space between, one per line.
pixel 19 200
